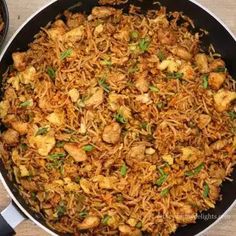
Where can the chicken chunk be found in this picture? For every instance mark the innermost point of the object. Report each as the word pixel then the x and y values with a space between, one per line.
pixel 105 182
pixel 142 83
pixel 4 107
pixel 187 71
pixel 76 152
pixel 182 53
pixel 89 222
pixel 43 143
pixel 144 98
pixel 102 12
pixel 85 185
pixel 203 121
pixel 19 60
pixel 202 62
pixel 170 65
pixel 190 154
pixel 56 118
pixel 74 95
pixel 215 64
pixel 222 99
pixel 115 101
pixel 138 151
pixel 219 144
pixel 111 133
pixel 184 213
pixel 168 158
pixel 166 37
pixel 216 80
pixel 97 96
pixel 126 230
pixel 19 126
pixel 10 137
pixel 74 34
pixel 57 31
pixel 24 171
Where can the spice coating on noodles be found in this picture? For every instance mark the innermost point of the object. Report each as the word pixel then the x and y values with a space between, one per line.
pixel 118 124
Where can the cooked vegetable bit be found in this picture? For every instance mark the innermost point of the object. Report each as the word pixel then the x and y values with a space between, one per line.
pixel 144 44
pixel 123 170
pixel 195 171
pixel 42 131
pixel 65 54
pixel 88 148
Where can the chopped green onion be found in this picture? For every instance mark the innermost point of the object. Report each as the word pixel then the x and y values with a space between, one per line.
pixel 26 103
pixel 154 89
pixel 160 105
pixel 175 75
pixel 139 225
pixel 33 196
pixel 120 197
pixel 164 192
pixel 69 131
pixel 42 131
pixel 119 118
pixel 105 219
pixel 161 56
pixel 104 85
pixel 220 69
pixel 106 62
pixel 205 82
pixel 83 214
pixel 163 177
pixel 134 34
pixel 232 115
pixel 60 144
pixel 133 69
pixel 66 54
pixel 60 210
pixel 23 146
pixel 195 171
pixel 123 170
pixel 144 44
pixel 143 125
pixel 51 72
pixel 206 190
pixel 57 155
pixel 88 148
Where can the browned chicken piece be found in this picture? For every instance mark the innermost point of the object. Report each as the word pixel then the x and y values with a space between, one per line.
pixel 29 185
pixel 216 80
pixel 184 213
pixel 142 83
pixel 203 121
pixel 223 99
pixel 166 37
pixel 10 137
pixel 219 144
pixel 20 126
pixel 89 223
pixel 103 12
pixel 57 31
pixel 138 151
pixel 126 230
pixel 74 20
pixel 216 172
pixel 96 98
pixel 19 60
pixel 188 72
pixel 76 152
pixel 183 53
pixel 202 62
pixel 111 133
pixel 215 64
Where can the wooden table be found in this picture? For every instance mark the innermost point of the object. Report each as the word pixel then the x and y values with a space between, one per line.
pixel 22 9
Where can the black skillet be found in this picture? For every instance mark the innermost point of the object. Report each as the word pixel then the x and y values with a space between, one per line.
pixel 222 40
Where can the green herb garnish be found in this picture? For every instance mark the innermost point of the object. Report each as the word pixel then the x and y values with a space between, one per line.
pixel 220 69
pixel 163 177
pixel 164 192
pixel 161 56
pixel 104 85
pixel 23 146
pixel 106 62
pixel 60 144
pixel 66 54
pixel 119 118
pixel 144 44
pixel 139 225
pixel 77 179
pixel 120 197
pixel 154 89
pixel 42 131
pixel 123 170
pixel 206 190
pixel 88 148
pixel 83 214
pixel 133 69
pixel 60 210
pixel 26 103
pixel 105 219
pixel 57 155
pixel 195 171
pixel 160 105
pixel 175 75
pixel 51 72
pixel 232 115
pixel 134 35
pixel 205 82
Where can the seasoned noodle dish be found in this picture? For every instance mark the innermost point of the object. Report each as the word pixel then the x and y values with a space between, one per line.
pixel 119 124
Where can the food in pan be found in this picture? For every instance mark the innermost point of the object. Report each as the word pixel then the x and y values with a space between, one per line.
pixel 1 24
pixel 119 124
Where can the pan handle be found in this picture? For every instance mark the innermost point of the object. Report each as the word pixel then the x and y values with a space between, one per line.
pixel 10 217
